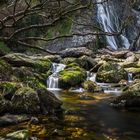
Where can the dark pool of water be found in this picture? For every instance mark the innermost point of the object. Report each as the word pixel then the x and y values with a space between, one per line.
pixel 87 117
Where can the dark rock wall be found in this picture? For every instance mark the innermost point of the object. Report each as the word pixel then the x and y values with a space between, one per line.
pixel 88 17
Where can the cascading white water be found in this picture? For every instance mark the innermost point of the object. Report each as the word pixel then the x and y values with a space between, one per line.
pixel 107 87
pixel 130 77
pixel 109 21
pixel 91 76
pixel 52 81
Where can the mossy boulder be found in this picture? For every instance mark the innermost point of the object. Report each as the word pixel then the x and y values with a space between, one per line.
pixel 133 70
pixel 18 98
pixel 130 97
pixel 18 60
pixel 69 60
pixel 25 100
pixel 84 61
pixel 53 58
pixel 76 52
pixel 23 85
pixel 71 76
pixel 30 101
pixel 91 86
pixel 111 73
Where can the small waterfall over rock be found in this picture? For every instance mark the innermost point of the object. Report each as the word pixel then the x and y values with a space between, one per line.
pixel 109 22
pixel 91 76
pixel 52 81
pixel 130 77
pixel 107 87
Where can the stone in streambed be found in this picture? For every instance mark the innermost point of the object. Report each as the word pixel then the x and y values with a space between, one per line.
pixel 18 135
pixel 12 119
pixel 84 61
pixel 71 76
pixel 26 100
pixel 130 97
pixel 76 52
pixel 111 73
pixel 91 86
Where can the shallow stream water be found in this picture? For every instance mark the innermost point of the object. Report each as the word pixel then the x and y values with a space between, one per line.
pixel 86 117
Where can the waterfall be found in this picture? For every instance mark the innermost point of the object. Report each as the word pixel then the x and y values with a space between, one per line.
pixel 130 77
pixel 91 76
pixel 52 81
pixel 109 22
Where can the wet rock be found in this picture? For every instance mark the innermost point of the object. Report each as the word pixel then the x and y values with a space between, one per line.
pixel 97 66
pixel 123 82
pixel 24 90
pixel 130 97
pixel 57 132
pixel 29 101
pixel 53 58
pixel 18 135
pixel 133 70
pixel 91 86
pixel 86 62
pixel 18 60
pixel 48 101
pixel 76 52
pixel 111 73
pixel 71 76
pixel 86 97
pixel 26 100
pixel 12 119
pixel 131 57
pixel 116 54
pixel 34 120
pixel 69 60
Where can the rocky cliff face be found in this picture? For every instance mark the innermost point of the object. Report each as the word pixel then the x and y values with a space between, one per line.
pixel 123 8
pixel 76 24
pixel 130 10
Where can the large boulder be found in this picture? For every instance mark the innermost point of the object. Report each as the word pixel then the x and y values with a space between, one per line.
pixel 76 52
pixel 19 99
pixel 71 76
pixel 9 119
pixel 25 100
pixel 53 58
pixel 18 60
pixel 111 73
pixel 23 85
pixel 69 60
pixel 84 61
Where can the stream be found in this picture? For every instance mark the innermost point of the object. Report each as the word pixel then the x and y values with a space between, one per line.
pixel 89 118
